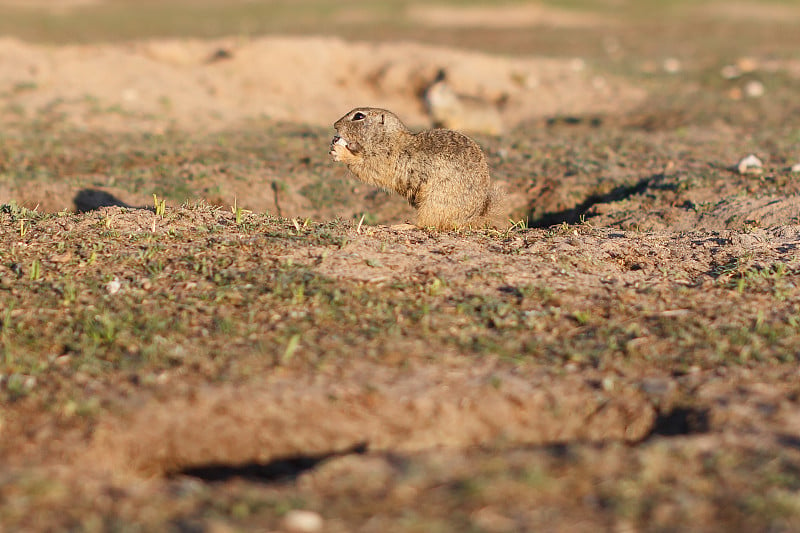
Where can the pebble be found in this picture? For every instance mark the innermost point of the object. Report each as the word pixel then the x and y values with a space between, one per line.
pixel 657 386
pixel 672 65
pixel 754 89
pixel 730 72
pixel 113 286
pixel 795 167
pixel 750 165
pixel 300 521
pixel 747 64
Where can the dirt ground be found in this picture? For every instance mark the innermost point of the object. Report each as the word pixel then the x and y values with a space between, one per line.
pixel 207 325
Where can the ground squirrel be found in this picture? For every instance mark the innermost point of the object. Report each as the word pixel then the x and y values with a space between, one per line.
pixel 442 173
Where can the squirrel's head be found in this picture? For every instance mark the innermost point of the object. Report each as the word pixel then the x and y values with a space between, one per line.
pixel 369 129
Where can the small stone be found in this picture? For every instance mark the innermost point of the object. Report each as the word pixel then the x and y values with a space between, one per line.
pixel 750 165
pixel 747 64
pixel 656 386
pixel 730 72
pixel 795 167
pixel 672 65
pixel 113 286
pixel 301 521
pixel 754 89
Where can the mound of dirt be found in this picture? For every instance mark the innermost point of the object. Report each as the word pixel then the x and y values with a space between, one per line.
pixel 153 85
pixel 424 409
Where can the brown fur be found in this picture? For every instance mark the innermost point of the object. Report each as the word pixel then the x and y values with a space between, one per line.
pixel 442 173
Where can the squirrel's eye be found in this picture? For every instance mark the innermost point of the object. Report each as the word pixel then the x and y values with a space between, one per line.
pixel 359 116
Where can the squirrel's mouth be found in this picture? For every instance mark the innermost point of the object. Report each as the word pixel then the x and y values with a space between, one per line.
pixel 338 141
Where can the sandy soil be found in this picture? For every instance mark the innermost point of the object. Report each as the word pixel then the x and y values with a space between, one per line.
pixel 156 85
pixel 622 358
pixel 642 416
pixel 55 6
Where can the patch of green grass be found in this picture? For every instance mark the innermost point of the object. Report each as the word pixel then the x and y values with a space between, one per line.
pixel 221 306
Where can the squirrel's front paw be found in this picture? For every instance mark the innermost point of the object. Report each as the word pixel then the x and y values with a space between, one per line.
pixel 339 149
pixel 339 152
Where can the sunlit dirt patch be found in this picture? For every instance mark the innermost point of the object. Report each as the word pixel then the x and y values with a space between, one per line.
pixel 413 411
pixel 160 84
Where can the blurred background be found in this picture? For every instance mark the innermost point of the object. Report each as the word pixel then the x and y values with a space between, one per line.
pixel 596 28
pixel 267 79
